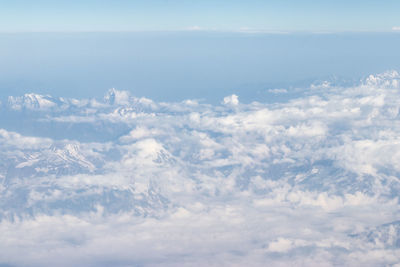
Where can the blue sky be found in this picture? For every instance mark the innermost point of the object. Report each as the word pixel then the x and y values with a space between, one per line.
pixel 364 39
pixel 175 66
pixel 167 15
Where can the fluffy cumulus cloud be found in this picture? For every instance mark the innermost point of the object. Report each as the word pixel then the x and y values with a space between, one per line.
pixel 126 181
pixel 231 100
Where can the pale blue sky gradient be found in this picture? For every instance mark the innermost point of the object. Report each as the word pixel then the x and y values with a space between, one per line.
pixel 174 66
pixel 148 48
pixel 172 15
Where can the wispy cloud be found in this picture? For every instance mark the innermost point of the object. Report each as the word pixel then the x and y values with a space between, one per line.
pixel 258 30
pixel 195 28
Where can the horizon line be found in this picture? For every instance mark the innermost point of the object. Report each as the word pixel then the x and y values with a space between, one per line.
pixel 196 30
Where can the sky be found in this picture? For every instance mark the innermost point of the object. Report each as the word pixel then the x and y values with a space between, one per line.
pixel 198 133
pixel 175 50
pixel 187 65
pixel 222 15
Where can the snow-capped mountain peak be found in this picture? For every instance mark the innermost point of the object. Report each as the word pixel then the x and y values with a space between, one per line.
pixel 116 97
pixel 32 102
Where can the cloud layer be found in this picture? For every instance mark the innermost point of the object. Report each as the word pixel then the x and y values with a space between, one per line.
pixel 127 181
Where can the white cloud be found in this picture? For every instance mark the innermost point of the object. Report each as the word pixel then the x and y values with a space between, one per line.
pixel 190 183
pixel 139 133
pixel 231 100
pixel 321 85
pixel 278 91
pixel 16 141
pixel 258 31
pixel 195 28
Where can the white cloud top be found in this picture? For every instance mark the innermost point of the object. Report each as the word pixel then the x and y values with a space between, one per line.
pixel 231 100
pixel 313 181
